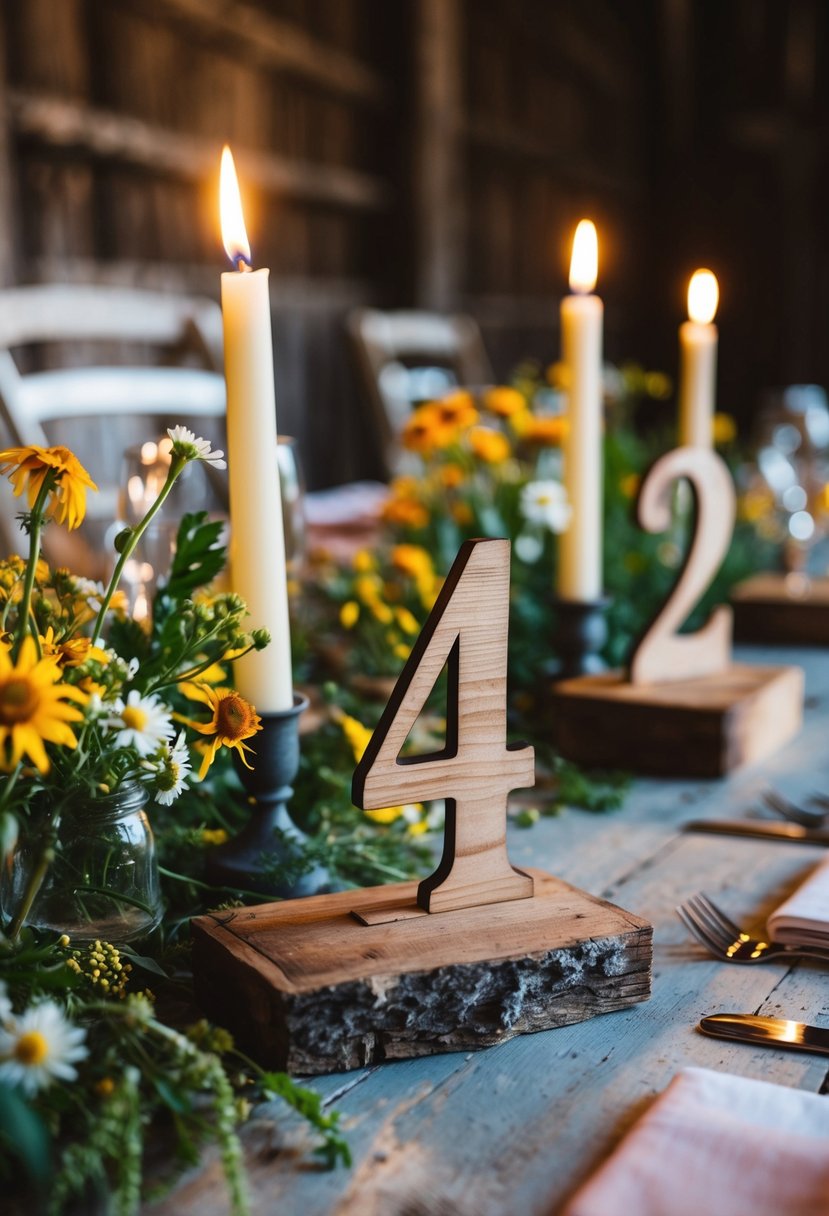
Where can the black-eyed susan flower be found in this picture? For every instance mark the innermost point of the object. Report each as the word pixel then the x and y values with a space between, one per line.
pixel 28 468
pixel 33 707
pixel 234 720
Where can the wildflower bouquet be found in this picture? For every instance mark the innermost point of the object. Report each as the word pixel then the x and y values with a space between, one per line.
pixel 100 714
pixel 94 705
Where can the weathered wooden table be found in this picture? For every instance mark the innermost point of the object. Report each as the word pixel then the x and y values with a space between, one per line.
pixel 517 1128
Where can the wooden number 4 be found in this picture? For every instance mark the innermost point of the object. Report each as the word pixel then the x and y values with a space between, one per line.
pixel 663 654
pixel 476 769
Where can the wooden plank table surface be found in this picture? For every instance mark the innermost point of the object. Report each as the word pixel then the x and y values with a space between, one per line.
pixel 516 1128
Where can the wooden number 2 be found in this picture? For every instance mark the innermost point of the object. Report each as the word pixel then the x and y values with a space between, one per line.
pixel 663 654
pixel 476 769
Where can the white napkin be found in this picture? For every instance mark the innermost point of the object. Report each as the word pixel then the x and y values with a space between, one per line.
pixel 804 917
pixel 717 1145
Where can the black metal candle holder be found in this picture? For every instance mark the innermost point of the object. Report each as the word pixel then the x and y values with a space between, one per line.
pixel 270 839
pixel 581 632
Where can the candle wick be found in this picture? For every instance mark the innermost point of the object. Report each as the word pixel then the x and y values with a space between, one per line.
pixel 242 263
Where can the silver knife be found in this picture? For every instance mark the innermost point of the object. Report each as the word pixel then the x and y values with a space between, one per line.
pixel 760 829
pixel 771 1032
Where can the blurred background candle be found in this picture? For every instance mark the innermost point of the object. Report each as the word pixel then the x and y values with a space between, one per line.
pixel 580 547
pixel 698 362
pixel 257 544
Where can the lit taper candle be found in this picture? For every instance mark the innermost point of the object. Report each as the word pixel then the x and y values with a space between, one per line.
pixel 582 313
pixel 698 362
pixel 257 541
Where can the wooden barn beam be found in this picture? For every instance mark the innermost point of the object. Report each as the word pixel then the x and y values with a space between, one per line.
pixel 7 173
pixel 438 188
pixel 57 122
pixel 321 296
pixel 264 41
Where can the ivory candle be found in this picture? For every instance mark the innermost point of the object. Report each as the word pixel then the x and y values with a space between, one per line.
pixel 257 541
pixel 698 362
pixel 582 313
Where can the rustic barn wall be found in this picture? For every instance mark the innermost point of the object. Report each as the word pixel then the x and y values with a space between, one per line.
pixel 431 152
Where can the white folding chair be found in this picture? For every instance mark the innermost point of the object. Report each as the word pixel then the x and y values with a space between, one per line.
pixel 98 410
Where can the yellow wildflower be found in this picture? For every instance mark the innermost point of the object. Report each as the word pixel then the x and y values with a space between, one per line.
pixel 451 475
pixel 558 376
pixel 33 708
pixel 503 401
pixel 407 621
pixel 363 562
pixel 489 445
pixel 386 814
pixel 367 588
pixel 426 431
pixel 213 836
pixel 71 652
pixel 545 432
pixel 357 735
pixel 381 612
pixel 28 468
pixel 349 614
pixel 233 720
pixel 401 651
pixel 462 514
pixel 723 429
pixel 629 485
pixel 406 512
pixel 413 560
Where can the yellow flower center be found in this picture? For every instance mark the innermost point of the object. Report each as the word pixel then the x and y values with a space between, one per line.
pixel 19 701
pixel 234 717
pixel 134 718
pixel 31 1049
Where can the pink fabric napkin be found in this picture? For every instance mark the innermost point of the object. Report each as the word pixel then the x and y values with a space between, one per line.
pixel 804 917
pixel 717 1145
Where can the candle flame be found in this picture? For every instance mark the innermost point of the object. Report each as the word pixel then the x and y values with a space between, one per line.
pixel 703 297
pixel 584 264
pixel 234 234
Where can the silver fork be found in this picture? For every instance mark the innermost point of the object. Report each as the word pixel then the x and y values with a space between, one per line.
pixel 728 942
pixel 804 815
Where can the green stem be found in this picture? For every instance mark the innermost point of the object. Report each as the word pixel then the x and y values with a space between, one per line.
pixel 32 887
pixel 36 528
pixel 178 463
pixel 9 785
pixel 117 896
pixel 207 886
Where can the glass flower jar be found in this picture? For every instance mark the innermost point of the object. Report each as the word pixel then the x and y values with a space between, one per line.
pixel 91 873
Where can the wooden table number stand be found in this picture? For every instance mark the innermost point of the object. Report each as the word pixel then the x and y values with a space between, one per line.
pixel 684 709
pixel 471 956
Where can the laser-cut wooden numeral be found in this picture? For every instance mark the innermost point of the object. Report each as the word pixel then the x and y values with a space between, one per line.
pixel 476 769
pixel 664 655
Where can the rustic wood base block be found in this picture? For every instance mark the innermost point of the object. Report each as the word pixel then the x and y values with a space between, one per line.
pixel 304 986
pixel 687 728
pixel 785 609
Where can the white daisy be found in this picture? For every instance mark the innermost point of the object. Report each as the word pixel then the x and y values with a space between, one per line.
pixel 38 1047
pixel 173 769
pixel 544 503
pixel 186 444
pixel 141 722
